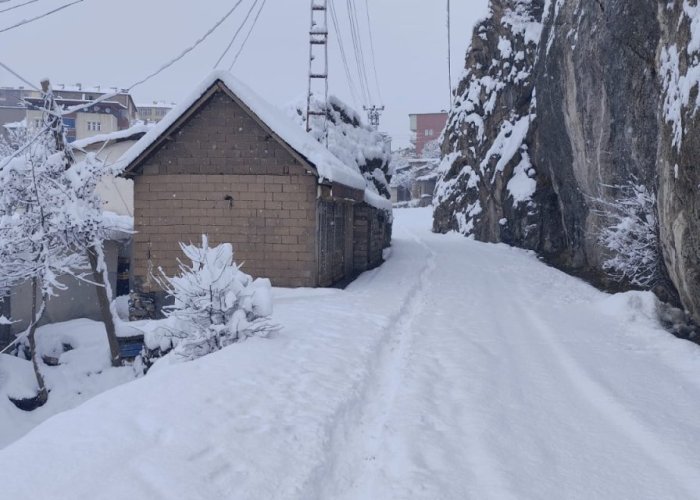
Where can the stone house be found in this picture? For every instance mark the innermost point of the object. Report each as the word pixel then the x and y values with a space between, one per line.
pixel 227 164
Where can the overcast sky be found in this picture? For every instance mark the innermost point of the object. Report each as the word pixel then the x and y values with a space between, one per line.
pixel 117 42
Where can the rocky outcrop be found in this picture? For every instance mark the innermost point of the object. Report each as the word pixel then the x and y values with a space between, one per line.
pixel 487 175
pixel 573 133
pixel 678 156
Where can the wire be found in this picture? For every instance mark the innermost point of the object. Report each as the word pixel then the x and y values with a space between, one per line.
pixel 245 40
pixel 343 54
pixel 374 59
pixel 17 6
pixel 40 16
pixel 359 54
pixel 17 75
pixel 235 35
pixel 165 66
pixel 188 49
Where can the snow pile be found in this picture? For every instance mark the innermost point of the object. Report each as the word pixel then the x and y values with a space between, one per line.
pixel 84 370
pixel 216 304
pixel 328 166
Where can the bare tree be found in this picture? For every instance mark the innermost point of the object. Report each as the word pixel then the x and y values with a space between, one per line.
pixel 630 233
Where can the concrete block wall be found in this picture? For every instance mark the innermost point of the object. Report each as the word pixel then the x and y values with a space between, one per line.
pixel 223 175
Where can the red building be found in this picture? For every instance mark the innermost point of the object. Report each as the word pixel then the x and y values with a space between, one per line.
pixel 427 127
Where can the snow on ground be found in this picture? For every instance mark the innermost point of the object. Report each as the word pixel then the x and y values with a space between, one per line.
pixel 457 370
pixel 84 371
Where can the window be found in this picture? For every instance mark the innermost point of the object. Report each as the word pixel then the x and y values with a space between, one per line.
pixel 94 126
pixel 429 132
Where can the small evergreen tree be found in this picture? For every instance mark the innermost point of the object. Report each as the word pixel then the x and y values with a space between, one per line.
pixel 216 304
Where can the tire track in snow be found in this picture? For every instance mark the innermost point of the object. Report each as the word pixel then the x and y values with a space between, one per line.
pixel 357 433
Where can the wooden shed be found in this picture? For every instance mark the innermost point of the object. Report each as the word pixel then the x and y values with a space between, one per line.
pixel 227 164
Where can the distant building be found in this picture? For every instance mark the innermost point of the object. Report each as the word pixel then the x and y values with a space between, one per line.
pixel 155 111
pixel 114 114
pixel 12 109
pixel 427 127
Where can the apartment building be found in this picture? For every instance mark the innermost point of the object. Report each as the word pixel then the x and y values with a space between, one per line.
pixel 155 111
pixel 115 113
pixel 427 127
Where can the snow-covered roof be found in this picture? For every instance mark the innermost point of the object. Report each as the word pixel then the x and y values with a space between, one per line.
pixel 328 167
pixel 139 128
pixel 94 89
pixel 119 227
pixel 16 125
pixel 157 104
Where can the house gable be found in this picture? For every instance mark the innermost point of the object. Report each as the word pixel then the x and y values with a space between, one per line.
pixel 217 136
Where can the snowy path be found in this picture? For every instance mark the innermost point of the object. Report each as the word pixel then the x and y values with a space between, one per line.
pixel 456 371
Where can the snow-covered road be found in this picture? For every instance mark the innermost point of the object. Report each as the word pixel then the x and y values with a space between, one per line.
pixel 458 370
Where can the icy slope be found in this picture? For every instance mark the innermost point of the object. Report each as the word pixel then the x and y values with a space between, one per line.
pixel 457 370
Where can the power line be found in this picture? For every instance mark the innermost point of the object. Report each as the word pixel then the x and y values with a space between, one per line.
pixel 343 54
pixel 17 75
pixel 188 49
pixel 245 40
pixel 235 35
pixel 17 6
pixel 165 66
pixel 40 16
pixel 359 54
pixel 374 59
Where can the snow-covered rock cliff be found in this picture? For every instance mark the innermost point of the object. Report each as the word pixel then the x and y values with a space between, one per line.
pixel 574 132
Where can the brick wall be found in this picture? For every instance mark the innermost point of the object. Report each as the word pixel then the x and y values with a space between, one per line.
pixel 221 174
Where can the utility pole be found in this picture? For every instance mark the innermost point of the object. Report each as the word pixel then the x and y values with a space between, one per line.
pixel 318 64
pixel 54 120
pixel 373 114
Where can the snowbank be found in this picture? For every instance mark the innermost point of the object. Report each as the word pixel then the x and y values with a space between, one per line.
pixel 81 348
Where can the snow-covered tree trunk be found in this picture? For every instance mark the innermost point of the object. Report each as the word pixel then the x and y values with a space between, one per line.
pixel 104 297
pixel 38 309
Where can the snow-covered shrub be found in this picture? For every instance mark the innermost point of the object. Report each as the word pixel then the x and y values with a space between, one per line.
pixel 216 304
pixel 631 236
pixel 350 140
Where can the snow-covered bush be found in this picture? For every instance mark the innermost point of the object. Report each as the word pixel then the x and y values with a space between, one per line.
pixel 216 304
pixel 631 235
pixel 350 140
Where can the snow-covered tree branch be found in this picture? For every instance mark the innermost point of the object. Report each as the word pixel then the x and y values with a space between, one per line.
pixel 631 235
